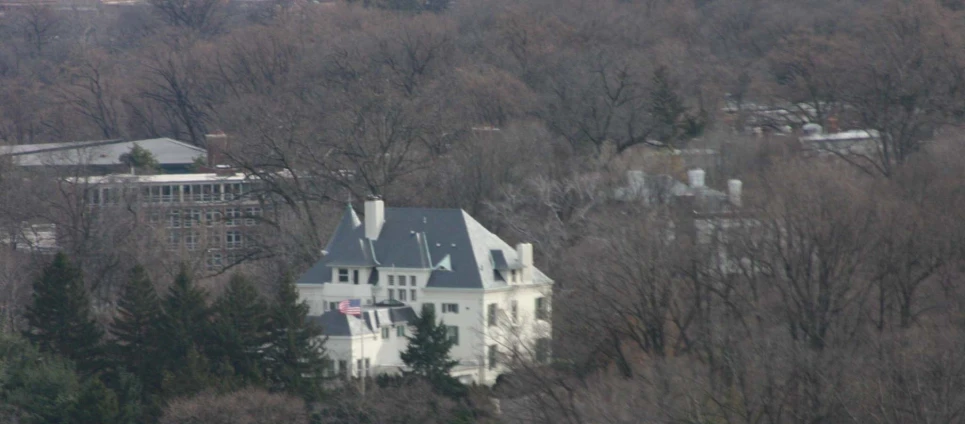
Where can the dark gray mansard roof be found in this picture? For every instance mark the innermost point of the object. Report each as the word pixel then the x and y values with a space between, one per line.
pixel 334 323
pixel 459 250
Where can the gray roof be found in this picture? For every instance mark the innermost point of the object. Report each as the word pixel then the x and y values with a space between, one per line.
pixel 105 152
pixel 334 323
pixel 457 248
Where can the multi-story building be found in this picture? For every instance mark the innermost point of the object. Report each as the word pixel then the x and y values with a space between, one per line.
pixel 204 214
pixel 491 297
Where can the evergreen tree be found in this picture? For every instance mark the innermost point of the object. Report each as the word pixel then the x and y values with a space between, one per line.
pixel 136 329
pixel 427 354
pixel 96 404
pixel 183 328
pixel 296 354
pixel 35 388
pixel 666 107
pixel 60 318
pixel 241 330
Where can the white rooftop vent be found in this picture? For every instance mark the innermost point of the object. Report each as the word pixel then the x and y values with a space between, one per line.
pixel 696 177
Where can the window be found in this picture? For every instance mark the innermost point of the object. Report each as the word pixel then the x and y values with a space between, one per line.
pixel 450 308
pixel 491 312
pixel 402 295
pixel 363 372
pixel 155 217
pixel 391 294
pixel 232 191
pixel 167 195
pixel 453 332
pixel 333 306
pixel 358 367
pixel 251 214
pixel 514 307
pixel 513 275
pixel 391 280
pixel 192 218
pixel 385 332
pixel 214 239
pixel 400 331
pixel 191 240
pixel 233 240
pixel 412 295
pixel 214 261
pixel 174 240
pixel 401 280
pixel 343 368
pixel 493 356
pixel 212 216
pixel 355 276
pixel 174 219
pixel 342 275
pixel 541 312
pixel 542 350
pixel 412 280
pixel 232 217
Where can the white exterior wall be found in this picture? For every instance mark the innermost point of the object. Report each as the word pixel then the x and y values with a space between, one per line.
pixel 522 333
pixel 383 354
pixel 474 333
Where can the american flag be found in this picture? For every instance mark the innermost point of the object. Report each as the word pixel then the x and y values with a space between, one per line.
pixel 350 307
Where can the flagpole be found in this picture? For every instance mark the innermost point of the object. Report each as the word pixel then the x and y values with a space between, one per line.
pixel 363 357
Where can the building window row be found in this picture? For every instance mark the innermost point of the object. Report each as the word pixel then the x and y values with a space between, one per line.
pixel 168 193
pixel 230 217
pixel 401 295
pixel 401 280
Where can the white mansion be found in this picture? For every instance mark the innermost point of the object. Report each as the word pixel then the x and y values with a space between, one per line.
pixel 489 295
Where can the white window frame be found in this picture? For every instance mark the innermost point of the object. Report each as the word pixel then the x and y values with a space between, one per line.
pixel 452 333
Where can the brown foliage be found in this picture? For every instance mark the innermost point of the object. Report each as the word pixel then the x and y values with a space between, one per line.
pixel 248 406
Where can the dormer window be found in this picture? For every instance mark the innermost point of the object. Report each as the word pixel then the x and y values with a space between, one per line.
pixel 342 275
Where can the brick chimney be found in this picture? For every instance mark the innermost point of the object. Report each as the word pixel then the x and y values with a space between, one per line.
pixel 217 145
pixel 833 125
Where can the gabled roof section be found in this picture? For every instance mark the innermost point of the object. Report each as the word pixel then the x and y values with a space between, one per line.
pixel 456 249
pixel 348 246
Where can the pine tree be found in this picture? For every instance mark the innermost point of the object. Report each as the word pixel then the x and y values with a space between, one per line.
pixel 427 354
pixel 60 319
pixel 296 354
pixel 96 404
pixel 183 329
pixel 34 387
pixel 136 329
pixel 666 107
pixel 241 330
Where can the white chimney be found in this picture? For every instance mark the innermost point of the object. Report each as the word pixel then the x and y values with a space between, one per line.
pixel 524 251
pixel 374 217
pixel 734 188
pixel 696 178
